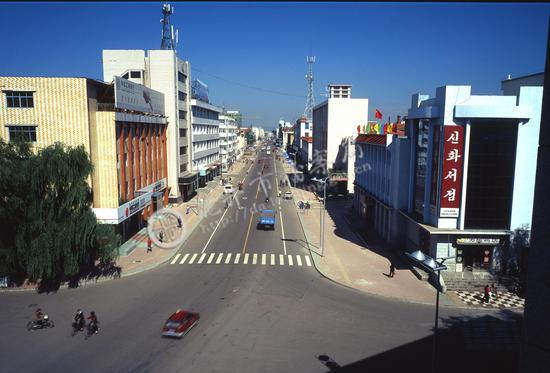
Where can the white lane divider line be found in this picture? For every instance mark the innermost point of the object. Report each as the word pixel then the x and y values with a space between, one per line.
pixel 283 231
pixel 219 260
pixel 237 257
pixel 272 259
pixel 184 258
pixel 228 258
pixel 298 260
pixel 201 258
pixel 308 261
pixel 263 259
pixel 175 259
pixel 214 232
pixel 245 258
pixel 210 258
pixel 281 259
pixel 290 262
pixel 192 258
pixel 254 258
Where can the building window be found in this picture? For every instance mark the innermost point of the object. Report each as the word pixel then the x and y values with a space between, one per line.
pixel 26 133
pixel 182 96
pixel 183 167
pixel 135 74
pixel 183 150
pixel 420 167
pixel 183 132
pixel 19 99
pixel 181 77
pixel 182 114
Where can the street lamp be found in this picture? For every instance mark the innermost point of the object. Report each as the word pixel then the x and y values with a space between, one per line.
pixel 432 266
pixel 322 212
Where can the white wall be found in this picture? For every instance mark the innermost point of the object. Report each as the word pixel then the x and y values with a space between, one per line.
pixel 116 62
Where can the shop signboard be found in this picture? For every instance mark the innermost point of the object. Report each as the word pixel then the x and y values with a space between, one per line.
pixel 451 177
pixel 477 241
pixel 133 96
pixel 130 208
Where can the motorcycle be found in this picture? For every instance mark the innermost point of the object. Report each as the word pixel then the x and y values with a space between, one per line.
pixel 78 326
pixel 45 323
pixel 92 329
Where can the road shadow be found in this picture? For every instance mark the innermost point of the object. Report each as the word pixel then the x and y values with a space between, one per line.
pixel 486 343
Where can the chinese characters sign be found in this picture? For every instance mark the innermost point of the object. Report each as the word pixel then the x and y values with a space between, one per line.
pixel 451 177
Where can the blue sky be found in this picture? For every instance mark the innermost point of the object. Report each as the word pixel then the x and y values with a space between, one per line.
pixel 388 51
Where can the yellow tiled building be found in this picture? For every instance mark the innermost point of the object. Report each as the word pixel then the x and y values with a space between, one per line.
pixel 82 111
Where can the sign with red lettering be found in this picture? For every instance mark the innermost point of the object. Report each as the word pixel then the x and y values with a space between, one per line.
pixel 451 177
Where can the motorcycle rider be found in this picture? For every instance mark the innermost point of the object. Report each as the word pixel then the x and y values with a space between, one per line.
pixel 39 316
pixel 93 322
pixel 79 319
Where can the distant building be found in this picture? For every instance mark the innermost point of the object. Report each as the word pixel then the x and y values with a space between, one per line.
pixel 206 140
pixel 335 121
pixel 302 129
pixel 163 71
pixel 122 123
pixel 228 141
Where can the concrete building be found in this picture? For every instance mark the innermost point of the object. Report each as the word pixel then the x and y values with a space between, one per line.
pixel 163 71
pixel 461 180
pixel 228 141
pixel 206 140
pixel 335 122
pixel 302 129
pixel 118 124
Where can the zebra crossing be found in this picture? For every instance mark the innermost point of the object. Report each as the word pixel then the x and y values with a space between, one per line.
pixel 288 260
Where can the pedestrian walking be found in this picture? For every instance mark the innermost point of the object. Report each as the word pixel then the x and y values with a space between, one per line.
pixel 187 210
pixel 487 292
pixel 149 245
pixel 179 222
pixel 392 270
pixel 161 236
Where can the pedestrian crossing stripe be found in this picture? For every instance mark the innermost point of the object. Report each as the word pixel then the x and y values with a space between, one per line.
pixel 231 258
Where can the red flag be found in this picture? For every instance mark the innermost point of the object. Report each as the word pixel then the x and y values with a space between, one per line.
pixel 378 114
pixel 358 128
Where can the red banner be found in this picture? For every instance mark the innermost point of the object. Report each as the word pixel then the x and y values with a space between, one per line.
pixel 451 177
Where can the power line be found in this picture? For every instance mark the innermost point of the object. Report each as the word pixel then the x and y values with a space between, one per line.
pixel 247 85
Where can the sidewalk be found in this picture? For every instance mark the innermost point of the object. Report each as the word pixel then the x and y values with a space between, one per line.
pixel 350 261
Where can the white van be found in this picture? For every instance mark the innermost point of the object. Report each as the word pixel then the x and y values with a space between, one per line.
pixel 228 189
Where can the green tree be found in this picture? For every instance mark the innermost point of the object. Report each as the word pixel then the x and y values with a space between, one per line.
pixel 46 203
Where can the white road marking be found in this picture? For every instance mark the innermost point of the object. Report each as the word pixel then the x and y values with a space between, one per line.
pixel 290 263
pixel 175 259
pixel 201 258
pixel 283 230
pixel 299 260
pixel 272 259
pixel 192 258
pixel 255 259
pixel 263 259
pixel 245 258
pixel 219 260
pixel 281 259
pixel 215 229
pixel 237 257
pixel 308 261
pixel 210 258
pixel 228 258
pixel 184 258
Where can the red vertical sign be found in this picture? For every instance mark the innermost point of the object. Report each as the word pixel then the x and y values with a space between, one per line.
pixel 451 177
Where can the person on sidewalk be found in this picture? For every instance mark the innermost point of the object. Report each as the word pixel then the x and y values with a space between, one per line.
pixel 149 244
pixel 494 291
pixel 487 292
pixel 392 270
pixel 179 222
pixel 187 210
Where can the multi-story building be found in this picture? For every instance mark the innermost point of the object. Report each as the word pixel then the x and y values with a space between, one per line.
pixel 461 180
pixel 228 141
pixel 302 130
pixel 336 120
pixel 121 125
pixel 206 134
pixel 163 71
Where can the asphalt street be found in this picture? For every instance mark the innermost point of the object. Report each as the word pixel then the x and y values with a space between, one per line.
pixel 263 308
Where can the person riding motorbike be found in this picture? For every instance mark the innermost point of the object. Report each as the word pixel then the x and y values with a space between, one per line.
pixel 93 322
pixel 39 316
pixel 79 319
pixel 266 199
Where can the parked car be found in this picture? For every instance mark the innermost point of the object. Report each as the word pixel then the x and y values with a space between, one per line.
pixel 228 189
pixel 179 323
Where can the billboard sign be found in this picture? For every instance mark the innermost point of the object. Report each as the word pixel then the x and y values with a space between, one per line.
pixel 130 208
pixel 136 97
pixel 451 177
pixel 199 91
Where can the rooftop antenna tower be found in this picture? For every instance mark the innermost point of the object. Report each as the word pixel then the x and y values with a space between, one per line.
pixel 310 101
pixel 168 41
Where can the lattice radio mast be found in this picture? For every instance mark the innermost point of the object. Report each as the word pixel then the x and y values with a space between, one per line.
pixel 168 41
pixel 310 101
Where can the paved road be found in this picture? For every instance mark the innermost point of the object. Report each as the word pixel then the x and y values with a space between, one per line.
pixel 255 317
